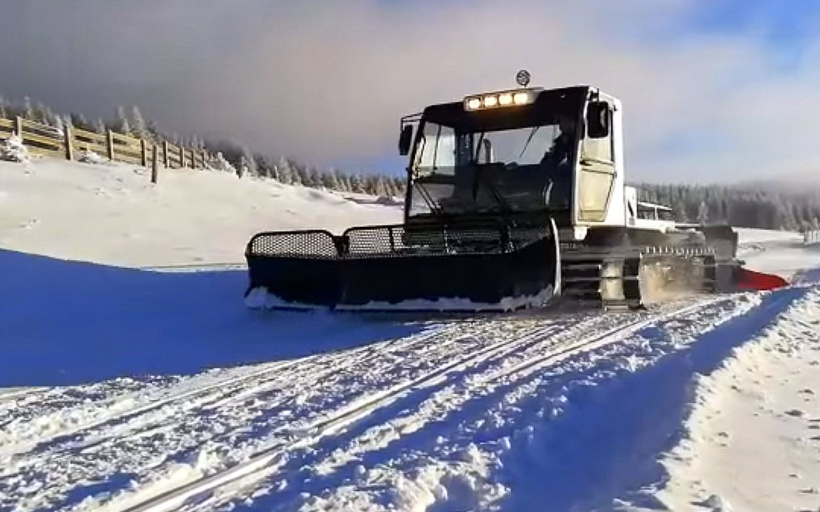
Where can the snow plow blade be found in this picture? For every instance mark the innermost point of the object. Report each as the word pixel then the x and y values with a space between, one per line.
pixel 418 268
pixel 750 280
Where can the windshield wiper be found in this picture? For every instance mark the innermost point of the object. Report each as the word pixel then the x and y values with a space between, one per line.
pixel 433 205
pixel 529 139
pixel 488 184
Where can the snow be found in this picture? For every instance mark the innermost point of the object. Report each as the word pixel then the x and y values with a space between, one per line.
pixel 754 437
pixel 89 157
pixel 260 298
pixel 133 376
pixel 778 252
pixel 13 150
pixel 112 214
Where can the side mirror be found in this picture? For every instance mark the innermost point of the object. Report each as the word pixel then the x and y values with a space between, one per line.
pixel 405 139
pixel 598 120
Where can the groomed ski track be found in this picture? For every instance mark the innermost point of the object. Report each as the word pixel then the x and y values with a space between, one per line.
pixel 303 432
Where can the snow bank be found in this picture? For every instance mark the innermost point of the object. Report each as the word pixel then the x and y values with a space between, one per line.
pixel 777 252
pixel 753 435
pixel 87 156
pixel 220 163
pixel 112 214
pixel 13 150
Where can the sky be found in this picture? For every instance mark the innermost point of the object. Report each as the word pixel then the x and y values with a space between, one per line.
pixel 713 90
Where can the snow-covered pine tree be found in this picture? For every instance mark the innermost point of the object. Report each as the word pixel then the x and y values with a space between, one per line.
pixel 122 126
pixel 154 130
pixel 400 185
pixel 330 179
pixel 43 114
pixel 28 110
pixel 58 125
pixel 357 184
pixel 703 213
pixel 304 174
pixel 138 125
pixel 344 182
pixel 296 173
pixel 283 172
pixel 250 161
pixel 78 121
pixel 390 187
pixel 316 178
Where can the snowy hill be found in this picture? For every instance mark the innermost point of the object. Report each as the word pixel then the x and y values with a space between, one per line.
pixel 112 214
pixel 124 389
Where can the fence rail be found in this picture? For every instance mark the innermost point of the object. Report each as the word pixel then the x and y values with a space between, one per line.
pixel 117 147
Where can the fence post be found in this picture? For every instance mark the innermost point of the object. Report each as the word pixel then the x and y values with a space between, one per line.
pixel 165 153
pixel 18 126
pixel 144 152
pixel 182 158
pixel 155 164
pixel 110 145
pixel 69 147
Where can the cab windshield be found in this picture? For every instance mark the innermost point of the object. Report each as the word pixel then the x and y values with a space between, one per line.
pixel 518 169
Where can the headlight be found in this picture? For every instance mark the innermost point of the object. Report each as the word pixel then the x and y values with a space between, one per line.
pixel 500 99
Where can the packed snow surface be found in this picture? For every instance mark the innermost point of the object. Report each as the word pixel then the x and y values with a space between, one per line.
pixel 124 389
pixel 753 439
pixel 112 213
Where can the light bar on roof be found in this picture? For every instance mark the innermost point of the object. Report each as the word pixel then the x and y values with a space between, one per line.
pixel 499 99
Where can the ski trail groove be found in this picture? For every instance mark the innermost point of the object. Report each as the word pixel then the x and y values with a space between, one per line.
pixel 467 335
pixel 599 340
pixel 266 461
pixel 125 415
pixel 212 395
pixel 447 399
pixel 270 460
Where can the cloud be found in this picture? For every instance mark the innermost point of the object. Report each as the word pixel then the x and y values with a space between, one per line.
pixel 327 82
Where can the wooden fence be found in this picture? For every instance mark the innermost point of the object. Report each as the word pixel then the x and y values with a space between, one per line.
pixel 116 147
pixel 811 237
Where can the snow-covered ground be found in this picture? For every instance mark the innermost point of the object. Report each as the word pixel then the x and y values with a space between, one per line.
pixel 753 438
pixel 127 389
pixel 112 214
pixel 777 252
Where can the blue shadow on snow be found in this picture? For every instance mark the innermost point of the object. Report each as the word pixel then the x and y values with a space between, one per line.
pixel 606 443
pixel 66 322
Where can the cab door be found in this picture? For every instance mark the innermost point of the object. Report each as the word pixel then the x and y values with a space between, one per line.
pixel 597 164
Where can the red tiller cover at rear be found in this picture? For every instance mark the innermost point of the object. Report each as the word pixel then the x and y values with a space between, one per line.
pixel 751 280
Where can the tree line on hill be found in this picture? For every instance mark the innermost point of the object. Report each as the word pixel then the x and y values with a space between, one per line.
pixel 235 156
pixel 749 207
pixel 292 172
pixel 741 206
